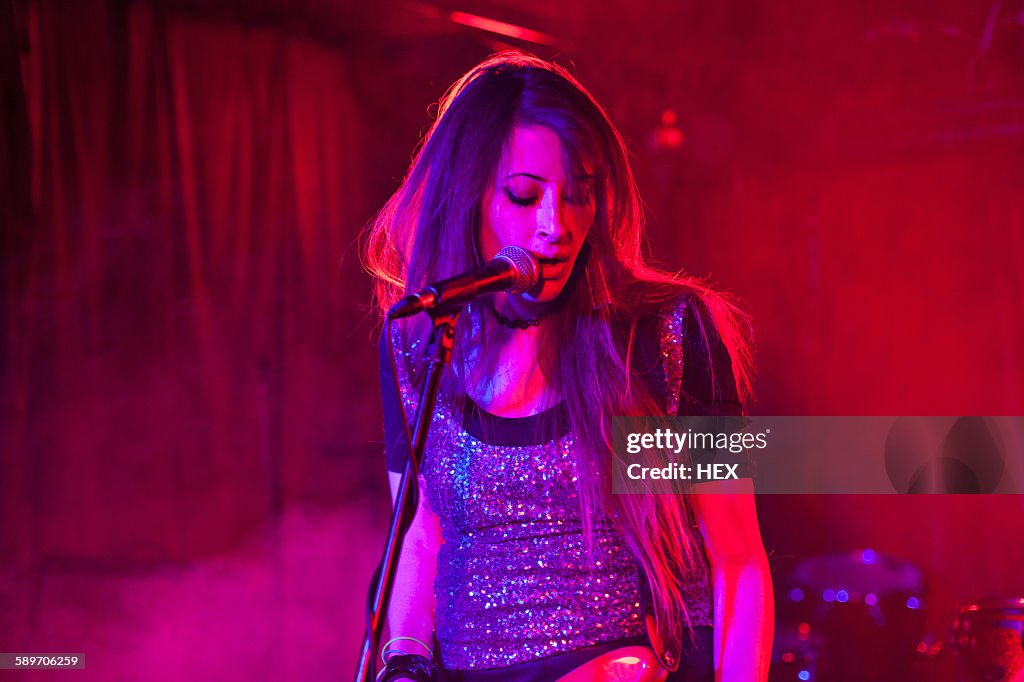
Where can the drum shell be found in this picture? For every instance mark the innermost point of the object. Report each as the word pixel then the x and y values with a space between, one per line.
pixel 987 638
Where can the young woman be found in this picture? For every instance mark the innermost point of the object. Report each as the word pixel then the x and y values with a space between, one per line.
pixel 521 564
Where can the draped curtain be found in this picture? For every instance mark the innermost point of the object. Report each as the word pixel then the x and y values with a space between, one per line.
pixel 178 296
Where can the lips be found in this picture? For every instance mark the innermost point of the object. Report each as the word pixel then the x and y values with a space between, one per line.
pixel 551 261
pixel 551 268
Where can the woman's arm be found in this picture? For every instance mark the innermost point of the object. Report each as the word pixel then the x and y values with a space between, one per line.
pixel 411 611
pixel 744 604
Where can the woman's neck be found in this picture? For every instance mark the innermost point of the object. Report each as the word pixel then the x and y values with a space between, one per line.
pixel 519 308
pixel 505 378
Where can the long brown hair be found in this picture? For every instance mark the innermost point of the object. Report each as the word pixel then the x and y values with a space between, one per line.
pixel 429 230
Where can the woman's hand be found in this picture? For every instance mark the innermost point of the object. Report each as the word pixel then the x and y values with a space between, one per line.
pixel 411 611
pixel 744 604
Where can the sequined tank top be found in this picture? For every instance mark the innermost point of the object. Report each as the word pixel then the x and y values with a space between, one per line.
pixel 514 580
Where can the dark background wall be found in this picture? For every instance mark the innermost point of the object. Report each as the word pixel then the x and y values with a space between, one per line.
pixel 192 481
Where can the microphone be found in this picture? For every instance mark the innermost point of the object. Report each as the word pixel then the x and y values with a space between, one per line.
pixel 513 269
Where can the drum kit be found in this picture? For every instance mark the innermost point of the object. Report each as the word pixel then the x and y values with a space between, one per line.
pixel 861 616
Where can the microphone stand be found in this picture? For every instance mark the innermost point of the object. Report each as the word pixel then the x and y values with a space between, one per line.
pixel 442 340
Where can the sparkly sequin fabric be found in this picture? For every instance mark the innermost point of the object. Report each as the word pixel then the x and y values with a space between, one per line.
pixel 514 581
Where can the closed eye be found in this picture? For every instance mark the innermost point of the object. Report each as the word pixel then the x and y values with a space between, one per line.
pixel 518 200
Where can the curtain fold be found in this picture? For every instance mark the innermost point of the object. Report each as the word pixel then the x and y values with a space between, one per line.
pixel 173 377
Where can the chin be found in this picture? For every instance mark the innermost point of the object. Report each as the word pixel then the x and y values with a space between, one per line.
pixel 546 293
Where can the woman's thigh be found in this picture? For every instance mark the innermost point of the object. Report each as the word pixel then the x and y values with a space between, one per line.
pixel 625 664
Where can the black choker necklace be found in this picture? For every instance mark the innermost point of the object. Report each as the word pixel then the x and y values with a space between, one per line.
pixel 524 323
pixel 515 324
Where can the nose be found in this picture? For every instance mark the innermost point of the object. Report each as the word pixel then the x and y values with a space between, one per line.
pixel 551 223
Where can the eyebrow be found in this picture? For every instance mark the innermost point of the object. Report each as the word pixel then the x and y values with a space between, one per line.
pixel 528 175
pixel 542 179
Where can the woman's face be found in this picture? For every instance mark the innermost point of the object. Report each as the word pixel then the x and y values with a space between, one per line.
pixel 533 205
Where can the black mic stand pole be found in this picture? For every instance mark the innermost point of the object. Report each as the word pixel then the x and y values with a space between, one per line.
pixel 442 340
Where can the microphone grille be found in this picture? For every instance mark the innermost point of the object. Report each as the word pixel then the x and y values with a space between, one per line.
pixel 526 265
